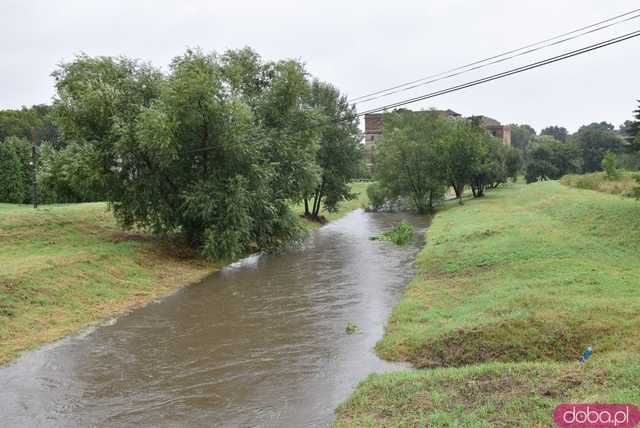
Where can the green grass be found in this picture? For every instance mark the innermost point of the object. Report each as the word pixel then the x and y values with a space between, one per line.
pixel 510 290
pixel 624 185
pixel 359 188
pixel 361 200
pixel 65 266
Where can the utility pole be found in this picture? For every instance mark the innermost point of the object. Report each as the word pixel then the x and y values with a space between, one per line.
pixel 34 164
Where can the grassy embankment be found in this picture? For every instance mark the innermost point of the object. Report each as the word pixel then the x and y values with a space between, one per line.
pixel 65 266
pixel 510 290
pixel 624 185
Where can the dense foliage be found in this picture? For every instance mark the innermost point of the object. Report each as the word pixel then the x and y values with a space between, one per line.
pixel 521 136
pixel 422 154
pixel 26 121
pixel 217 148
pixel 550 159
pixel 340 154
pixel 610 166
pixel 594 141
pixel 632 128
pixel 560 133
pixel 15 170
pixel 408 157
pixel 592 148
pixel 376 196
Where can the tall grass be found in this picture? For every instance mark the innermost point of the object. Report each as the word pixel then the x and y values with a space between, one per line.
pixel 624 185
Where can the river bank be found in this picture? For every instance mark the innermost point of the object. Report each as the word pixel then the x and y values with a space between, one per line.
pixel 261 342
pixel 510 291
pixel 66 266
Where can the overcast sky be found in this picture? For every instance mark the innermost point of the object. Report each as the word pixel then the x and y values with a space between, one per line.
pixel 360 46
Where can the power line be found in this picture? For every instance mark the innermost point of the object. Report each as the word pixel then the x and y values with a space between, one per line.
pixel 404 89
pixel 490 78
pixel 480 63
pixel 507 73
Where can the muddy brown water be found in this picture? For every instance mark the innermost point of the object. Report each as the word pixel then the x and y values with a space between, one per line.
pixel 260 343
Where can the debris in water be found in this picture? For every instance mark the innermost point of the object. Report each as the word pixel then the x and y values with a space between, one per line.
pixel 351 328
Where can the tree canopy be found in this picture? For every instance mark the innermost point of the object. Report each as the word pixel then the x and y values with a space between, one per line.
pixel 340 154
pixel 20 123
pixel 550 159
pixel 15 170
pixel 409 157
pixel 423 154
pixel 560 133
pixel 594 141
pixel 216 149
pixel 521 135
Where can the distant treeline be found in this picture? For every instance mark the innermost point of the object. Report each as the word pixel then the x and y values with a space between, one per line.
pixel 423 155
pixel 554 152
pixel 18 128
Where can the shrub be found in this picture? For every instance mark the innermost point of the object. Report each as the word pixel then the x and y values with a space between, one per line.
pixel 376 196
pixel 624 185
pixel 610 166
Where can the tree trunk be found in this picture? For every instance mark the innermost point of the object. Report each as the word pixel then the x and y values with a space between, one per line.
pixel 316 212
pixel 317 202
pixel 458 189
pixel 306 207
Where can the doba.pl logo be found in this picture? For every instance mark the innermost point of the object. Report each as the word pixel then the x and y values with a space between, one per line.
pixel 596 415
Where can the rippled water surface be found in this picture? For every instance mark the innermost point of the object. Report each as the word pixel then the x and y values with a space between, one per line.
pixel 261 343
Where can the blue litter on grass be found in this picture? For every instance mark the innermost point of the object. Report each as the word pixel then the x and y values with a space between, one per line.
pixel 586 354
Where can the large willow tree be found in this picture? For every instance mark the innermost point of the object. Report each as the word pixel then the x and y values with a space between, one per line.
pixel 216 149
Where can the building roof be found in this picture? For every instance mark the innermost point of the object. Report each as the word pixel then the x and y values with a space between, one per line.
pixel 485 121
pixel 452 113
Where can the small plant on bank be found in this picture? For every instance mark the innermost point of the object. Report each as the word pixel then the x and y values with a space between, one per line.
pixel 610 166
pixel 400 234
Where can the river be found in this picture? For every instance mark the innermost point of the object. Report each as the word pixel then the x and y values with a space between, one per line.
pixel 260 343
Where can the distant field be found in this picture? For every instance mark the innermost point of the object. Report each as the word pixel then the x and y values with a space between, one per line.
pixel 510 291
pixel 65 266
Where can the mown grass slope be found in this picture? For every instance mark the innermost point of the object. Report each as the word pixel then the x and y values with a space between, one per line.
pixel 510 290
pixel 65 266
